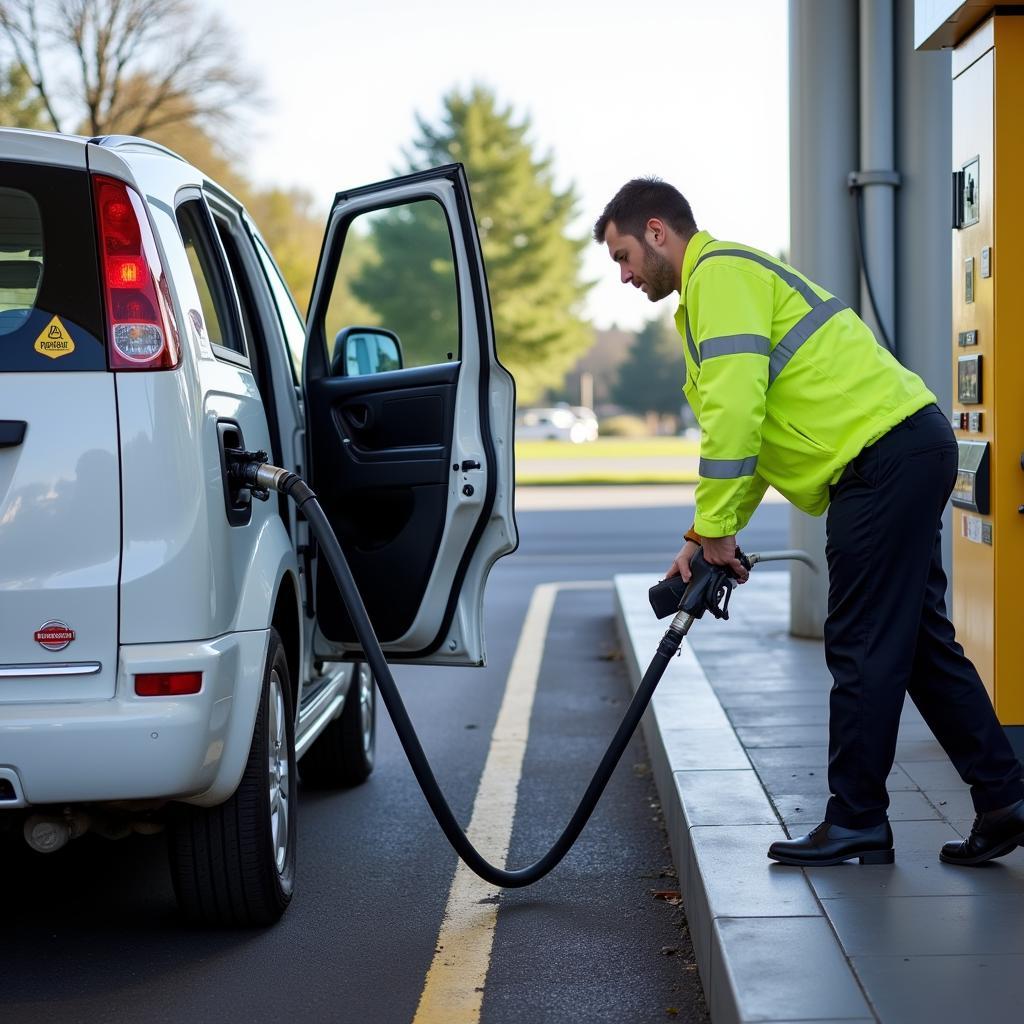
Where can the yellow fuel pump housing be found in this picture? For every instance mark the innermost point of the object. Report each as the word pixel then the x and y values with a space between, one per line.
pixel 988 338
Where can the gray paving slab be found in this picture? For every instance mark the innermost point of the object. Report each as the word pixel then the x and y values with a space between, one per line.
pixel 790 757
pixel 910 750
pixel 753 737
pixel 730 876
pixel 770 700
pixel 808 807
pixel 937 774
pixel 944 989
pixel 952 803
pixel 687 710
pixel 753 953
pixel 781 780
pixel 696 749
pixel 929 925
pixel 795 714
pixel 724 798
pixel 916 873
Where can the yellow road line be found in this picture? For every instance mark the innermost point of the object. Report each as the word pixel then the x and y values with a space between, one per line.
pixel 454 988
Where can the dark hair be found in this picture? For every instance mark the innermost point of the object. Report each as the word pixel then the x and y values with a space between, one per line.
pixel 641 199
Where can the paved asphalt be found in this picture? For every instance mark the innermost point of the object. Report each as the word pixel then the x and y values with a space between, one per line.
pixel 91 933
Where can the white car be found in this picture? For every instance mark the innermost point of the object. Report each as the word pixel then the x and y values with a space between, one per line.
pixel 558 423
pixel 588 418
pixel 169 647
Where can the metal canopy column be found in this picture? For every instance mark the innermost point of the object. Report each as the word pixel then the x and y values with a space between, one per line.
pixel 823 137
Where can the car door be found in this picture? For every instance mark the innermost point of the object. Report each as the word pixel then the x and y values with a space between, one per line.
pixel 411 458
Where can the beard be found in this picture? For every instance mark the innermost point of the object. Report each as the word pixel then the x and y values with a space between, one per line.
pixel 658 273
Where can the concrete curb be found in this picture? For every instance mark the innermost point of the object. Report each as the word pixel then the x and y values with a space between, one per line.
pixel 765 949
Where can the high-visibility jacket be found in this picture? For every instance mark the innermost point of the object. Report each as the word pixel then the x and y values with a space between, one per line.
pixel 787 383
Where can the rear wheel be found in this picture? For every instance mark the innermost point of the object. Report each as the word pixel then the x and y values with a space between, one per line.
pixel 234 864
pixel 342 755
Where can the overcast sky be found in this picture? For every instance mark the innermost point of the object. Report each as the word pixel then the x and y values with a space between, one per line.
pixel 695 92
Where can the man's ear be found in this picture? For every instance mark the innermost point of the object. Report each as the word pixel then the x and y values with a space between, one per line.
pixel 655 227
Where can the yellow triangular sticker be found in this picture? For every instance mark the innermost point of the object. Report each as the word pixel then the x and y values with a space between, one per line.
pixel 54 340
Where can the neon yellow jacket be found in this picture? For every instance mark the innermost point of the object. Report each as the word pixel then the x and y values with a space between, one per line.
pixel 787 383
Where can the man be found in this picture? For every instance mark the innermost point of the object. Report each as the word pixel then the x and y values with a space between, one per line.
pixel 791 390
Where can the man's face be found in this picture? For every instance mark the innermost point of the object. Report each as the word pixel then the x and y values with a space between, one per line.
pixel 641 263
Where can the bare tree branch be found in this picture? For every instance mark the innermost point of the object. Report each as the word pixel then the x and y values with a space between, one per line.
pixel 19 25
pixel 141 64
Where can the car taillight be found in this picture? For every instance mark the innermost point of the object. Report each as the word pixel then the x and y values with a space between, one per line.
pixel 140 326
pixel 168 684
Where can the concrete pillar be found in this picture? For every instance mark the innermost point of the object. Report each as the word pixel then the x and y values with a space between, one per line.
pixel 924 142
pixel 878 153
pixel 823 146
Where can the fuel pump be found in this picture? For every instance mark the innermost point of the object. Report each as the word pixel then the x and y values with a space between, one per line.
pixel 987 64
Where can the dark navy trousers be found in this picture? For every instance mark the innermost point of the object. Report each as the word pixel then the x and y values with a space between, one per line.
pixel 887 633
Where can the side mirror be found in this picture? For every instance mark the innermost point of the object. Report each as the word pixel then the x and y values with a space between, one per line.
pixel 361 351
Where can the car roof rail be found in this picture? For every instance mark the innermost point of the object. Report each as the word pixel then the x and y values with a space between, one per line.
pixel 133 141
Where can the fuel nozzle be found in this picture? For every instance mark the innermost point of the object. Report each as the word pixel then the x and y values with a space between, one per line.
pixel 244 470
pixel 709 589
pixel 711 586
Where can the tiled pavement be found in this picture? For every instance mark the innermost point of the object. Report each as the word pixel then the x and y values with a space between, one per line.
pixel 737 736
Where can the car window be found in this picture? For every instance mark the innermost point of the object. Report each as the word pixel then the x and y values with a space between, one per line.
pixel 51 314
pixel 397 270
pixel 21 257
pixel 210 274
pixel 292 324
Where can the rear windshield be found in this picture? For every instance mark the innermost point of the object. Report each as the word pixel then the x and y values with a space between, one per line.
pixel 50 303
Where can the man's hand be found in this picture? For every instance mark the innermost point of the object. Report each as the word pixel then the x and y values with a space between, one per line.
pixel 681 563
pixel 722 551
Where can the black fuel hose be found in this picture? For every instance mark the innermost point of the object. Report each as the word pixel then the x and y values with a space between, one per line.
pixel 265 477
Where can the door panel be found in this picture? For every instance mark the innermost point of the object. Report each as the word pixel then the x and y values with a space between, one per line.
pixel 388 444
pixel 412 466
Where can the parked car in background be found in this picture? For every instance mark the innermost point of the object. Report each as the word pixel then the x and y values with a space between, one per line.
pixel 555 423
pixel 588 418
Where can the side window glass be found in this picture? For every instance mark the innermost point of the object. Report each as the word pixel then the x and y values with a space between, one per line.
pixel 21 257
pixel 397 271
pixel 212 284
pixel 291 323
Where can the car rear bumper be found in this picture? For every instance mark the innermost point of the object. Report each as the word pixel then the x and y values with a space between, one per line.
pixel 141 748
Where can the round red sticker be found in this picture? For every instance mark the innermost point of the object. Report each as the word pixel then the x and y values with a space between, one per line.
pixel 54 635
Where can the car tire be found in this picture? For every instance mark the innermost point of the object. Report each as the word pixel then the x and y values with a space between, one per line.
pixel 342 755
pixel 234 864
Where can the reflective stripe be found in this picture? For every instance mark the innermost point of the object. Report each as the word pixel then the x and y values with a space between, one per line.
pixel 799 284
pixel 734 344
pixel 727 469
pixel 689 341
pixel 799 333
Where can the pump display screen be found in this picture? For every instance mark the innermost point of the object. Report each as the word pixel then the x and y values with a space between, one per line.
pixel 968 380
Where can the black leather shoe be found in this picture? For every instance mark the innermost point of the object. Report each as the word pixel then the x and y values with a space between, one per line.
pixel 995 834
pixel 832 844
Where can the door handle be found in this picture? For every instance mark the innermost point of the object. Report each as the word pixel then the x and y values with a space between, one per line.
pixel 359 416
pixel 12 433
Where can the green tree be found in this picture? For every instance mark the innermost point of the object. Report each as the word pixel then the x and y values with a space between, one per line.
pixel 19 106
pixel 651 379
pixel 534 263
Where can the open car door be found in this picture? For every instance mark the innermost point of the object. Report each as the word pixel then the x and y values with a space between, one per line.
pixel 409 419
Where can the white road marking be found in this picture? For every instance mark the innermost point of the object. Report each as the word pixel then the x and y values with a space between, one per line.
pixel 454 988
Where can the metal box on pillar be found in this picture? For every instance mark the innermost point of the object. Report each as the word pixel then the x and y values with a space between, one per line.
pixel 988 338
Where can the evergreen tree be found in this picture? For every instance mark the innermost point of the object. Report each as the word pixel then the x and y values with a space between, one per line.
pixel 533 264
pixel 19 106
pixel 651 379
